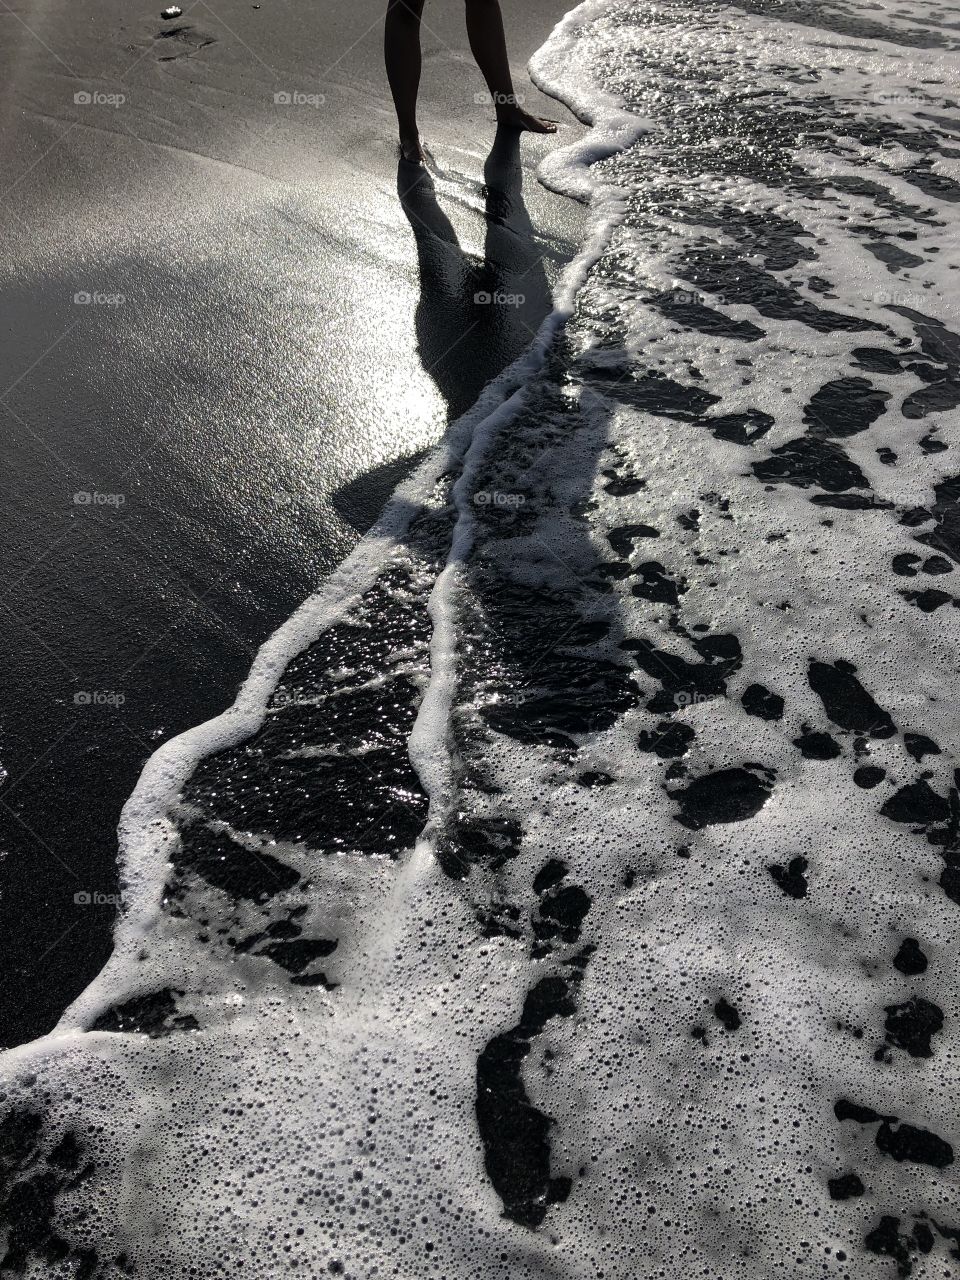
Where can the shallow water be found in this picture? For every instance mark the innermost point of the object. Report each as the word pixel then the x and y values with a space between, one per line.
pixel 585 902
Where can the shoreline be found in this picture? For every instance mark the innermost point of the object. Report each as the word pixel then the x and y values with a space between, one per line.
pixel 246 409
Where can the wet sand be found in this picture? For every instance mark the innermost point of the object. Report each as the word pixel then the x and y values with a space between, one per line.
pixel 226 339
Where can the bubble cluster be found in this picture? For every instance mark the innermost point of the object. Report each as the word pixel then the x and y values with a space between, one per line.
pixel 574 889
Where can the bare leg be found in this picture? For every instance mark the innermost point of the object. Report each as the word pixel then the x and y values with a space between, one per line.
pixel 401 52
pixel 489 46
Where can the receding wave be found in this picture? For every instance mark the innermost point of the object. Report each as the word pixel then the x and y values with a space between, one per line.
pixel 574 889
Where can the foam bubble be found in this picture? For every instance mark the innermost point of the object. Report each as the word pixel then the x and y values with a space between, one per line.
pixel 572 890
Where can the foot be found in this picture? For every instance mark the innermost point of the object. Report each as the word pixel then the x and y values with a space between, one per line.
pixel 411 150
pixel 515 117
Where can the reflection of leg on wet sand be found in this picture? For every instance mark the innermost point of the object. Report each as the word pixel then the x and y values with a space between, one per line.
pixel 474 316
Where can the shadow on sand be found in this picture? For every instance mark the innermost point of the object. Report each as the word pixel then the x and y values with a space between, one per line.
pixel 475 315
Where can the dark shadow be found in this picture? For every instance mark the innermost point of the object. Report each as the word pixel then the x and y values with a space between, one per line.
pixel 157 567
pixel 360 501
pixel 474 317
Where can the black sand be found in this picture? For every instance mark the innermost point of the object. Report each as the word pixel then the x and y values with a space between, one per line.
pixel 266 349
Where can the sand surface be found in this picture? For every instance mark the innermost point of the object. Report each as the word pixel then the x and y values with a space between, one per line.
pixel 271 337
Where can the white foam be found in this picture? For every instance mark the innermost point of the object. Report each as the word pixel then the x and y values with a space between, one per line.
pixel 297 1131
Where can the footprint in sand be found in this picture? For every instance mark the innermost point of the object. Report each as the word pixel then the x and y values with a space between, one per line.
pixel 186 40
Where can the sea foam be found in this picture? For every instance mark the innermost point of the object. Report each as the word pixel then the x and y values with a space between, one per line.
pixel 573 889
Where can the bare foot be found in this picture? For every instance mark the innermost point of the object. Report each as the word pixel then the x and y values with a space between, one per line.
pixel 515 117
pixel 412 150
